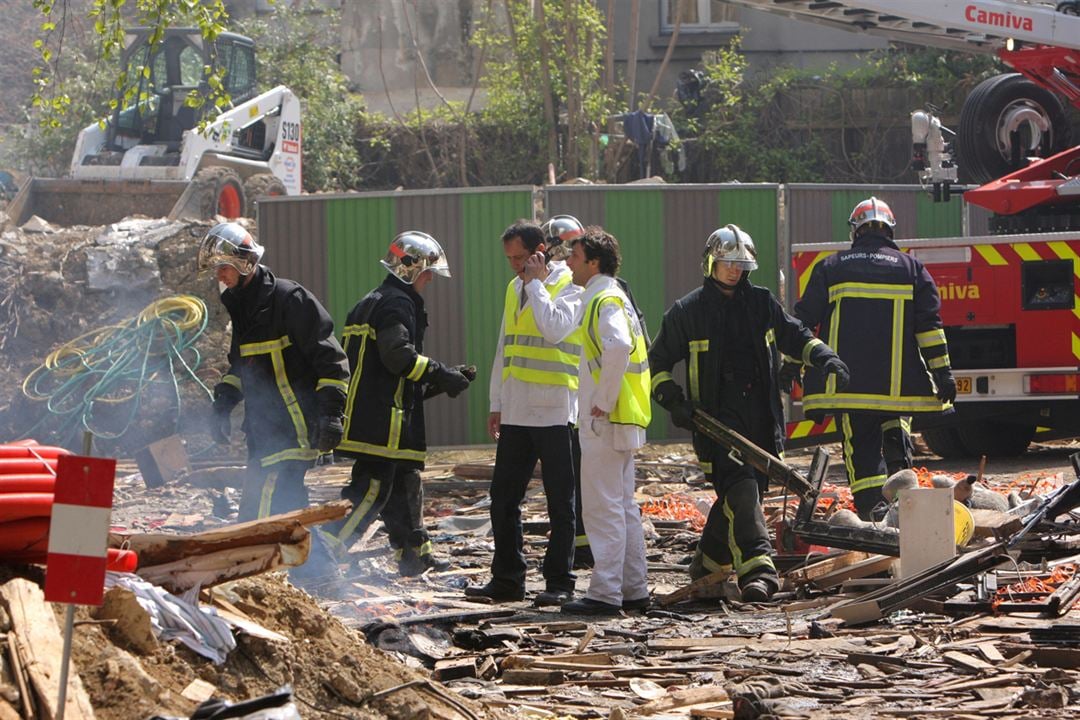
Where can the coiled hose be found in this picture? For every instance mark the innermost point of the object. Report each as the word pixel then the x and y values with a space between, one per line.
pixel 113 365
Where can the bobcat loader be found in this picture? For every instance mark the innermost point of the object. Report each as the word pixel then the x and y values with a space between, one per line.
pixel 150 159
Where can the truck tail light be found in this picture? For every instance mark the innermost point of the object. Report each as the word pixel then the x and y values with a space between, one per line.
pixel 1054 384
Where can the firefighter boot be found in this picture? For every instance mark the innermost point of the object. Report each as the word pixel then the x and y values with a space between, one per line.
pixel 702 565
pixel 416 560
pixel 759 588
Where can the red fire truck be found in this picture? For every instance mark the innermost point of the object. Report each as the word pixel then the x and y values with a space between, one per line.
pixel 1011 299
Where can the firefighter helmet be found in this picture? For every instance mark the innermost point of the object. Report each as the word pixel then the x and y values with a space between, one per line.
pixel 729 244
pixel 872 214
pixel 413 252
pixel 229 244
pixel 559 232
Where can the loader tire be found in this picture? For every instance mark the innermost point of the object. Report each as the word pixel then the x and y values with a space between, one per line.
pixel 219 191
pixel 945 443
pixel 985 147
pixel 258 186
pixel 995 439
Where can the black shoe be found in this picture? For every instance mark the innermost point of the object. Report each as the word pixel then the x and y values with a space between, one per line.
pixel 588 606
pixel 758 591
pixel 553 597
pixel 412 564
pixel 496 592
pixel 638 604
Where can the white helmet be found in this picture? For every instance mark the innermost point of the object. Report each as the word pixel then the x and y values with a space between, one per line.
pixel 229 244
pixel 872 210
pixel 729 244
pixel 411 253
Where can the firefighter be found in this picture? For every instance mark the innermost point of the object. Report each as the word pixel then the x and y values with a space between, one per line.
pixel 614 412
pixel 731 334
pixel 384 424
pixel 533 401
pixel 879 308
pixel 287 367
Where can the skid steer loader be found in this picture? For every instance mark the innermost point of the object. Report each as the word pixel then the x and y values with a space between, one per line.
pixel 150 159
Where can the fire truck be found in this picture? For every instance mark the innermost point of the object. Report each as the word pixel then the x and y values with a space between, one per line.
pixel 1010 299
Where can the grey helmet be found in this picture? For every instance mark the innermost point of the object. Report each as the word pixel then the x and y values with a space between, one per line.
pixel 229 244
pixel 559 232
pixel 411 253
pixel 729 244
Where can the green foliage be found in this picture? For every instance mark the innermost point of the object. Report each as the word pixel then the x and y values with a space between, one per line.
pixel 53 98
pixel 298 49
pixel 514 68
pixel 835 125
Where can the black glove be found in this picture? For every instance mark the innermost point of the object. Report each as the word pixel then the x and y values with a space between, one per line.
pixel 946 385
pixel 450 380
pixel 328 432
pixel 226 397
pixel 790 373
pixel 835 366
pixel 682 415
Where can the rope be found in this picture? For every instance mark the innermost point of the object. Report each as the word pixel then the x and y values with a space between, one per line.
pixel 114 364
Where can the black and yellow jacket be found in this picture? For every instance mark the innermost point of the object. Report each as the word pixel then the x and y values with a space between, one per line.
pixel 879 309
pixel 384 341
pixel 283 351
pixel 689 333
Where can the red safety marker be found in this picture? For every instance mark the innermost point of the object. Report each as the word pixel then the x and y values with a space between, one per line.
pixel 79 531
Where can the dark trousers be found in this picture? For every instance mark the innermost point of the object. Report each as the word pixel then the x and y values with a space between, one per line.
pixel 582 551
pixel 516 455
pixel 864 455
pixel 896 445
pixel 273 489
pixel 387 490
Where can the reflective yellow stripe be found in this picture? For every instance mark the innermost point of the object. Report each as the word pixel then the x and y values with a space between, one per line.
pixel 938 362
pixel 770 337
pixel 424 548
pixel 696 348
pixel 289 454
pixel 234 381
pixel 374 484
pixel 706 467
pixel 1076 346
pixel 581 541
pixel 990 255
pixel 930 338
pixel 262 348
pixel 363 332
pixel 896 353
pixel 809 348
pixel 382 451
pixel 868 483
pixel 804 279
pixel 1025 251
pixel 834 343
pixel 419 368
pixel 849 448
pixel 331 382
pixel 1064 251
pixel 527 356
pixel 266 495
pixel 632 406
pixel 873 291
pixel 861 401
pixel 743 567
pixel 661 377
pixel 802 429
pixel 711 565
pixel 397 415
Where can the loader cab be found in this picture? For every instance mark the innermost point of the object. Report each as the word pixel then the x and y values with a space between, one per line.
pixel 163 78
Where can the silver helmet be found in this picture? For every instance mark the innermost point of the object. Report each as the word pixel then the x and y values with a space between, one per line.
pixel 729 244
pixel 559 232
pixel 229 244
pixel 873 212
pixel 411 253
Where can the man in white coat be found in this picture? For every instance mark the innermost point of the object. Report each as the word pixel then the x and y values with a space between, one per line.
pixel 614 404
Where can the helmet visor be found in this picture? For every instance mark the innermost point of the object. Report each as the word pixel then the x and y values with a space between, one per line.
pixel 228 244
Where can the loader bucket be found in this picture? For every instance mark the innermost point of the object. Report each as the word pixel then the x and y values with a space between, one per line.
pixel 94 202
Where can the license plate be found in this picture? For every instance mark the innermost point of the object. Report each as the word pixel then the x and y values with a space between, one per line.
pixel 963 386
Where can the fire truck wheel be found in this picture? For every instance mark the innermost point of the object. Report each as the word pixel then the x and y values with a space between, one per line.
pixel 1004 120
pixel 945 443
pixel 258 186
pixel 995 439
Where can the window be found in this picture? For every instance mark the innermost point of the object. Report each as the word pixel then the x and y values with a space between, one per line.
pixel 699 15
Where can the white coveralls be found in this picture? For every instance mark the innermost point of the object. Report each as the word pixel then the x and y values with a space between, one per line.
pixel 612 517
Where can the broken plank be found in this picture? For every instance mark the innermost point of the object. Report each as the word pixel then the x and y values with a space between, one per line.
pixel 690 591
pixel 41 650
pixel 22 680
pixel 534 677
pixel 454 669
pixel 454 616
pixel 990 651
pixel 737 643
pixel 870 566
pixel 968 662
pixel 824 567
pixel 709 694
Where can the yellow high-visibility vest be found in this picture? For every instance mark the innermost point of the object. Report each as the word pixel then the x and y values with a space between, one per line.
pixel 632 406
pixel 529 357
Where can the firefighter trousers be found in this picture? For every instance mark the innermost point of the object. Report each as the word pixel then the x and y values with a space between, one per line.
pixel 735 534
pixel 875 446
pixel 583 557
pixel 518 450
pixel 273 489
pixel 613 522
pixel 387 490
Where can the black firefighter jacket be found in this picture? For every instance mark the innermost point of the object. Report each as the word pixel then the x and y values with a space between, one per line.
pixel 384 339
pixel 282 352
pixel 879 309
pixel 690 332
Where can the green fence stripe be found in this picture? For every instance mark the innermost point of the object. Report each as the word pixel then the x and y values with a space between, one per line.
pixel 938 219
pixel 358 232
pixel 755 211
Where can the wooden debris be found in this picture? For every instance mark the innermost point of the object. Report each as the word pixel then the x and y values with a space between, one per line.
pixel 199 691
pixel 706 695
pixel 34 627
pixel 455 669
pixel 695 589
